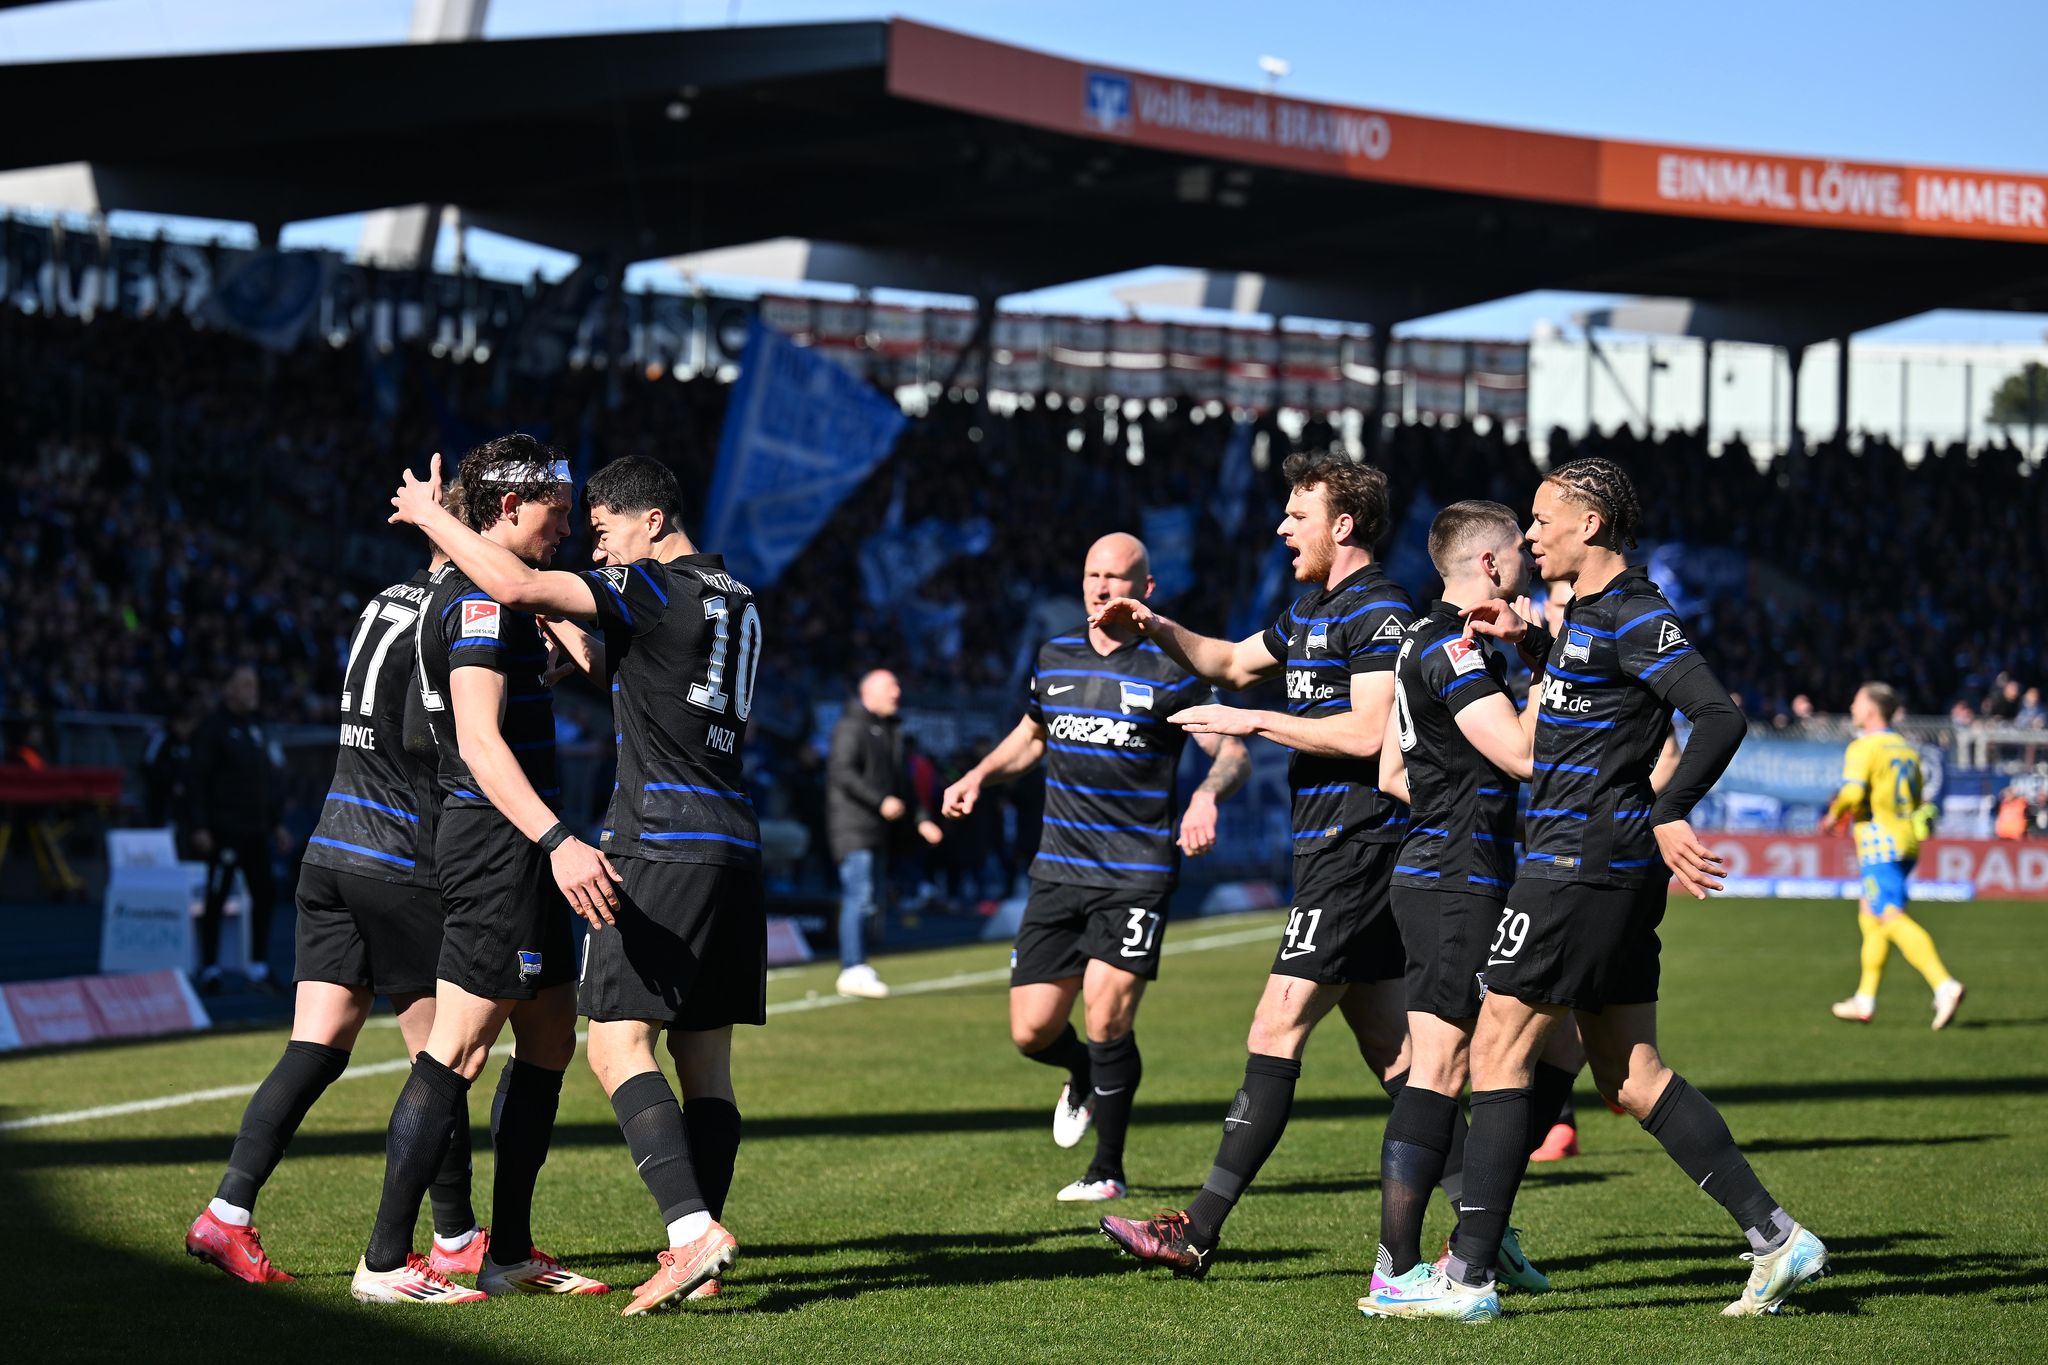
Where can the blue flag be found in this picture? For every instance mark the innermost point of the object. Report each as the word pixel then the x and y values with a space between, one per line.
pixel 1256 610
pixel 1233 481
pixel 896 561
pixel 1170 539
pixel 1407 559
pixel 800 434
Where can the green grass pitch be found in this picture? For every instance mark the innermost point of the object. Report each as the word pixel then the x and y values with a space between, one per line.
pixel 894 1197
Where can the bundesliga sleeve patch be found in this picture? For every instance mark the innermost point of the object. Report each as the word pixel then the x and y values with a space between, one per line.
pixel 480 620
pixel 1466 656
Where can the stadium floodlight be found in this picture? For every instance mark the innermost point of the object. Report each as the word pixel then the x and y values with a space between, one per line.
pixel 1277 69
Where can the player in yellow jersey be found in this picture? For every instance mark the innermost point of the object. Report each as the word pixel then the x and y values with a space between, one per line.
pixel 1883 792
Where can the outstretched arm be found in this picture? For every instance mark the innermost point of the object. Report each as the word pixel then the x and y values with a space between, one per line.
pixel 1019 752
pixel 1235 666
pixel 1356 733
pixel 497 572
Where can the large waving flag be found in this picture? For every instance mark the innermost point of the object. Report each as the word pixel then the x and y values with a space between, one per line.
pixel 800 434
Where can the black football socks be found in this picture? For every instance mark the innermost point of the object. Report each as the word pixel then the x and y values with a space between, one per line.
pixel 279 1105
pixel 1251 1130
pixel 660 1144
pixel 422 1122
pixel 1452 1182
pixel 1115 1070
pixel 713 1128
pixel 1496 1155
pixel 1695 1135
pixel 1550 1094
pixel 1413 1152
pixel 522 1126
pixel 454 1214
pixel 1069 1054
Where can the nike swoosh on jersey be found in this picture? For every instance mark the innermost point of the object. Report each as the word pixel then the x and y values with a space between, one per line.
pixel 1056 691
pixel 1289 954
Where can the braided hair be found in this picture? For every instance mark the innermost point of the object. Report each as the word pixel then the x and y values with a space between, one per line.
pixel 1600 484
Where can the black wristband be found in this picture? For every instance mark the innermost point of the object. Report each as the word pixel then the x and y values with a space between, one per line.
pixel 557 835
pixel 1535 646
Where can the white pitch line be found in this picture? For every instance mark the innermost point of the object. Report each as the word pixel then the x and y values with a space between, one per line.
pixel 816 1002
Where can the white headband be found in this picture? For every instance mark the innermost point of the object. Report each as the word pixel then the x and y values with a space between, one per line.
pixel 556 471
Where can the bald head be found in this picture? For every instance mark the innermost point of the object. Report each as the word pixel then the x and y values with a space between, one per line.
pixel 880 693
pixel 1117 566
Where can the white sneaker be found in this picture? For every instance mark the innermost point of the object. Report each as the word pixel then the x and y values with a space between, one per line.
pixel 1857 1009
pixel 412 1282
pixel 1070 1121
pixel 1774 1275
pixel 1947 996
pixel 1092 1191
pixel 862 983
pixel 539 1273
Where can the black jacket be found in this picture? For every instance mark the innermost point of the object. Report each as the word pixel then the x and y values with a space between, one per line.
pixel 865 766
pixel 235 788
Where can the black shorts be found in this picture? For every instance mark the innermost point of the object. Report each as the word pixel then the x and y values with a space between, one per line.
pixel 1445 933
pixel 1065 925
pixel 361 931
pixel 1567 943
pixel 1341 927
pixel 690 947
pixel 507 935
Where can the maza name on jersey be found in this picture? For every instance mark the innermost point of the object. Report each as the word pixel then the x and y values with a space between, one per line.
pixel 1116 734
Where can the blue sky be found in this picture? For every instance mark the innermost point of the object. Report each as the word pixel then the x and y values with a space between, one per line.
pixel 1956 84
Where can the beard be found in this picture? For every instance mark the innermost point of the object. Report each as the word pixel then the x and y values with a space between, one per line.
pixel 1315 561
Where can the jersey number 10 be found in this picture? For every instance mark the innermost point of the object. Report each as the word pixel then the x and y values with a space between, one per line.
pixel 710 695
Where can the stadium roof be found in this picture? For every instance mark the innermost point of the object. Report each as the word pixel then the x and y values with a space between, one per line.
pixel 955 164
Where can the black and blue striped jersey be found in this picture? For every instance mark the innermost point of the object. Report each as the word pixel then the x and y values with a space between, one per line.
pixel 1599 729
pixel 1329 636
pixel 1110 761
pixel 378 818
pixel 683 644
pixel 1461 811
pixel 463 628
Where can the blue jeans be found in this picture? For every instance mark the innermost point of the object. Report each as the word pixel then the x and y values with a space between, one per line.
pixel 863 883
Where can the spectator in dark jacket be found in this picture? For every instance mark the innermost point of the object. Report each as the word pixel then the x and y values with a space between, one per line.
pixel 869 795
pixel 236 826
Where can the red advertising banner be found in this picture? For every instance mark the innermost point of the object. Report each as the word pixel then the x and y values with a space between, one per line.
pixel 957 71
pixel 84 1009
pixel 1996 869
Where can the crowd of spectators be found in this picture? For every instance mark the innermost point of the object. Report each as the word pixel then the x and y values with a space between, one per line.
pixel 183 501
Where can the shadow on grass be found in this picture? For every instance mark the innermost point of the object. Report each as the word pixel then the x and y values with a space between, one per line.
pixel 160 1305
pixel 1886 1265
pixel 953 1260
pixel 1829 1144
pixel 39 1153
